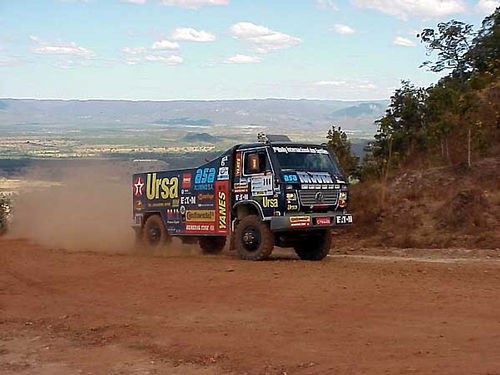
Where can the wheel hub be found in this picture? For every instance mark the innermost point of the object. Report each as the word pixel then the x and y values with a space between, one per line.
pixel 251 238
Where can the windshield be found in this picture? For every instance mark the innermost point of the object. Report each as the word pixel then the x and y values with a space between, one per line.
pixel 305 159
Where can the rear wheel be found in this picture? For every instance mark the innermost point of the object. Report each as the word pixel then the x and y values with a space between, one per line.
pixel 315 247
pixel 253 238
pixel 154 234
pixel 212 245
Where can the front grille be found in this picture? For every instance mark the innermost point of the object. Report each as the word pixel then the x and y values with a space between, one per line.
pixel 310 197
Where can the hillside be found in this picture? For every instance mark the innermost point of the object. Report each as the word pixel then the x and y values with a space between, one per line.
pixel 354 116
pixel 441 207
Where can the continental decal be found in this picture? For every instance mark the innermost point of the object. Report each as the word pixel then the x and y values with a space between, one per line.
pixel 164 188
pixel 222 209
pixel 200 216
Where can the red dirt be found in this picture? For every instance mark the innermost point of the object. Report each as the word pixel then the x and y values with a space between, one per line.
pixel 92 313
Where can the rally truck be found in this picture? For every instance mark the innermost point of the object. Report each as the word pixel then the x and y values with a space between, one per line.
pixel 255 196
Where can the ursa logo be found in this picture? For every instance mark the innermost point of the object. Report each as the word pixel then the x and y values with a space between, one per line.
pixel 166 188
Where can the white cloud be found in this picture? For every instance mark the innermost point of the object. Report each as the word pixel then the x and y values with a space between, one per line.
pixel 133 1
pixel 263 38
pixel 487 7
pixel 403 42
pixel 190 34
pixel 343 29
pixel 60 48
pixel 170 60
pixel 351 84
pixel 193 4
pixel 331 83
pixel 165 44
pixel 414 8
pixel 326 4
pixel 242 59
pixel 134 50
pixel 10 61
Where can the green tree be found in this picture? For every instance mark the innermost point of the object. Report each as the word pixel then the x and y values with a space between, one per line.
pixel 402 130
pixel 340 145
pixel 452 41
pixel 485 51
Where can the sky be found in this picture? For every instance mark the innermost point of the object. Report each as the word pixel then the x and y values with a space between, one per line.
pixel 219 49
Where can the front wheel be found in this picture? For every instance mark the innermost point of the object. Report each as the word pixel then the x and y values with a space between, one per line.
pixel 253 238
pixel 315 247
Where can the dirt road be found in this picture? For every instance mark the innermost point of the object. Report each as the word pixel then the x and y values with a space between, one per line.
pixel 89 313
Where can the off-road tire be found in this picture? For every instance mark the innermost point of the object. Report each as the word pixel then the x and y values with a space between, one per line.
pixel 154 234
pixel 261 248
pixel 315 247
pixel 212 245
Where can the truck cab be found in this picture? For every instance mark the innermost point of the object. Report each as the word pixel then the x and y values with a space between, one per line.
pixel 271 193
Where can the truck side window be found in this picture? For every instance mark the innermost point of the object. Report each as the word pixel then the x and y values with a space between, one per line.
pixel 256 162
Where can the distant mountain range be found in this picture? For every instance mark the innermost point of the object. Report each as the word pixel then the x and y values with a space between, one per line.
pixel 275 114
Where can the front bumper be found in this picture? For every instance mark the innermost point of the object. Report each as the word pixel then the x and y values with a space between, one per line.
pixel 310 221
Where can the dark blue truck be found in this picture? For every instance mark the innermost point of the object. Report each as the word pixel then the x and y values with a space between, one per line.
pixel 271 193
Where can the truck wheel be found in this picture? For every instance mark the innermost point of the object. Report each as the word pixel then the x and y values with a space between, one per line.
pixel 154 233
pixel 315 247
pixel 253 238
pixel 212 245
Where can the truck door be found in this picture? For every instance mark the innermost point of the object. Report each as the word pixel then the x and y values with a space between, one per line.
pixel 256 180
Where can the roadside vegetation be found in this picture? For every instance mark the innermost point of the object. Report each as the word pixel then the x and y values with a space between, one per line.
pixel 5 205
pixel 430 177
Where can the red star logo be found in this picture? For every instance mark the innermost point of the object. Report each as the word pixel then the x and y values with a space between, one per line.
pixel 138 187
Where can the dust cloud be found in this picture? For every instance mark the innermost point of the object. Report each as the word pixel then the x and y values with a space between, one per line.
pixel 85 208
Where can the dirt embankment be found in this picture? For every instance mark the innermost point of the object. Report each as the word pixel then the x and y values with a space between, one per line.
pixel 434 208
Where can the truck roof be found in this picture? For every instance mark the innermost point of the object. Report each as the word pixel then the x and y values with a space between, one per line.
pixel 277 144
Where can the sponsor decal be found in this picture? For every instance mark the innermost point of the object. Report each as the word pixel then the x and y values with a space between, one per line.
pixel 173 216
pixel 200 228
pixel 241 187
pixel 291 178
pixel 241 197
pixel 342 199
pixel 201 216
pixel 172 203
pixel 223 174
pixel 224 161
pixel 315 177
pixel 188 200
pixel 292 207
pixel 164 188
pixel 204 175
pixel 343 219
pixel 306 150
pixel 291 196
pixel 300 221
pixel 138 219
pixel 269 202
pixel 138 187
pixel 222 206
pixel 262 185
pixel 323 221
pixel 205 197
pixel 237 165
pixel 186 180
pixel 138 205
pixel 204 179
